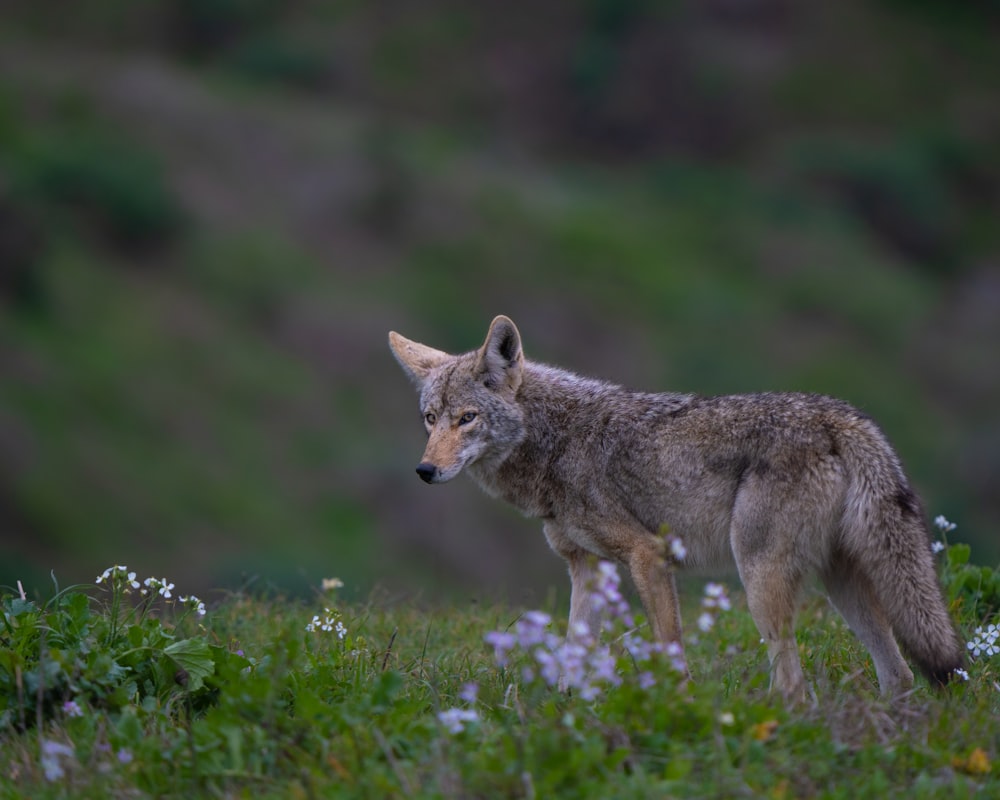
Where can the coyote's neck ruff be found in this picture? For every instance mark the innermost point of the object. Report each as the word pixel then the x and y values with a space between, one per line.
pixel 781 486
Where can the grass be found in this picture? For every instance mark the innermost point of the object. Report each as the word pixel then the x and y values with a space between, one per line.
pixel 107 692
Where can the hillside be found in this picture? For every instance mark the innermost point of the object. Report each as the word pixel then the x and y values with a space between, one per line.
pixel 212 214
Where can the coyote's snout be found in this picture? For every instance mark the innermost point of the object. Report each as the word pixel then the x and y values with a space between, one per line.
pixel 780 486
pixel 427 471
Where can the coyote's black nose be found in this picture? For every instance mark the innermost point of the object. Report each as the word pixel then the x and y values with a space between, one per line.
pixel 426 471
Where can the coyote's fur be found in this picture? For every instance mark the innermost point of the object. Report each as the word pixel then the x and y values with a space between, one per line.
pixel 783 486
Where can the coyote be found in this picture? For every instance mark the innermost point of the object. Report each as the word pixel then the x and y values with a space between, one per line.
pixel 781 485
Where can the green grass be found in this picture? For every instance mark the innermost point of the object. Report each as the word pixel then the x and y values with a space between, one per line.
pixel 154 700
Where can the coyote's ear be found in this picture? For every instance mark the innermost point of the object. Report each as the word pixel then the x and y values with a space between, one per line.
pixel 416 359
pixel 501 361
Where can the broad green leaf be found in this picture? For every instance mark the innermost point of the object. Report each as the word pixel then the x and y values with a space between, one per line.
pixel 959 554
pixel 194 656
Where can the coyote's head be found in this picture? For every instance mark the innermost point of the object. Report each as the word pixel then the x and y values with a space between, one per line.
pixel 468 401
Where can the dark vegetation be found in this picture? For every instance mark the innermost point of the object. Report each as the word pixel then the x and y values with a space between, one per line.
pixel 211 213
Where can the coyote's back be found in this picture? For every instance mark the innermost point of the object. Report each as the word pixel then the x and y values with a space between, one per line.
pixel 782 486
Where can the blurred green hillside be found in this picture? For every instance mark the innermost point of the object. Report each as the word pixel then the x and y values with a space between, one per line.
pixel 213 211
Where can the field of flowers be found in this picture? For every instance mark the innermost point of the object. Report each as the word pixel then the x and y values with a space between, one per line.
pixel 127 688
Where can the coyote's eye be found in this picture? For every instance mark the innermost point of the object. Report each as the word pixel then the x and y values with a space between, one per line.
pixel 467 417
pixel 430 418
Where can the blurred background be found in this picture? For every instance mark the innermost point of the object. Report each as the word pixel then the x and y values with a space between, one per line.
pixel 213 211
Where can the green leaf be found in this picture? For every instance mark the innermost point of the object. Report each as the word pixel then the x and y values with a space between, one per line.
pixel 19 606
pixel 386 688
pixel 194 657
pixel 129 727
pixel 958 554
pixel 136 637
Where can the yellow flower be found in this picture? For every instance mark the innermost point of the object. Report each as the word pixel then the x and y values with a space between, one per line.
pixel 763 731
pixel 332 584
pixel 978 763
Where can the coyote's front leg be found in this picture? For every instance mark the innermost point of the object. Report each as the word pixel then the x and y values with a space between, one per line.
pixel 583 580
pixel 654 580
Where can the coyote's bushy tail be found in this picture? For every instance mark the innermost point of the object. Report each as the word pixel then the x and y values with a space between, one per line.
pixel 886 531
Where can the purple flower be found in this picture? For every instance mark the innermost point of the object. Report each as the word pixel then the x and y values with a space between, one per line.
pixel 549 664
pixel 715 597
pixel 72 709
pixel 604 666
pixel 52 753
pixel 578 661
pixel 455 719
pixel 502 643
pixel 531 628
pixel 470 692
pixel 675 653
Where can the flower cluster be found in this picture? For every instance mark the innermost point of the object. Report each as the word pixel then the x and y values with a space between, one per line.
pixel 455 719
pixel 606 597
pixel 676 548
pixel 943 525
pixel 576 662
pixel 193 603
pixel 56 757
pixel 984 642
pixel 329 621
pixel 121 580
pixel 579 661
pixel 161 585
pixel 714 601
pixel 118 577
pixel 53 754
pixel 71 708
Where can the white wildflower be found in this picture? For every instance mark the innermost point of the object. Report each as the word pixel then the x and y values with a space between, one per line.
pixel 159 585
pixel 984 642
pixel 329 622
pixel 119 577
pixel 194 604
pixel 943 525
